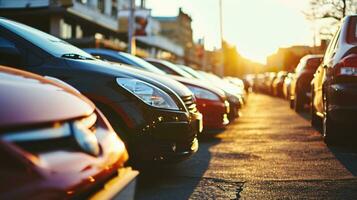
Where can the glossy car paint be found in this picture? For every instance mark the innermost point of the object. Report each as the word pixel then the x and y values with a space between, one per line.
pixel 234 94
pixel 36 167
pixel 301 81
pixel 144 128
pixel 335 95
pixel 278 83
pixel 215 119
pixel 233 100
pixel 215 112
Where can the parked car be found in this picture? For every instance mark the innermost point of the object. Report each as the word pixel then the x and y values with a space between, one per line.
pixel 248 80
pixel 258 85
pixel 173 69
pixel 234 94
pixel 142 110
pixel 278 83
pixel 334 87
pixel 210 102
pixel 286 87
pixel 192 72
pixel 300 93
pixel 235 81
pixel 55 144
pixel 268 82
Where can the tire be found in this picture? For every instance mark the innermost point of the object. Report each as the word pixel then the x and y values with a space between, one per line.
pixel 291 103
pixel 315 120
pixel 329 128
pixel 329 131
pixel 298 102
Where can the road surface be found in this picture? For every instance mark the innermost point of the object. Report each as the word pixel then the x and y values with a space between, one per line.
pixel 269 153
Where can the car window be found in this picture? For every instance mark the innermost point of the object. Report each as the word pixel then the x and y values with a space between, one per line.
pixel 313 63
pixel 136 61
pixel 108 58
pixel 352 31
pixel 164 68
pixel 331 47
pixel 10 55
pixel 171 68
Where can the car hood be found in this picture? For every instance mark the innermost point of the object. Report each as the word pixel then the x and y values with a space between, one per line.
pixel 200 83
pixel 120 70
pixel 28 99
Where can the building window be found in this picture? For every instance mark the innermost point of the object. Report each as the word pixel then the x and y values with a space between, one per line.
pixel 82 1
pixel 101 6
pixel 79 32
pixel 114 11
pixel 65 30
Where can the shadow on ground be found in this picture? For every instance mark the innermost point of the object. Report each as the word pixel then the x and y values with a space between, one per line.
pixel 180 180
pixel 345 152
pixel 347 155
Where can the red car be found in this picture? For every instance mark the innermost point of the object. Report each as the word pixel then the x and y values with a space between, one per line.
pixel 54 143
pixel 211 102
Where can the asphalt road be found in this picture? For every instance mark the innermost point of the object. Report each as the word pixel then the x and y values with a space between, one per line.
pixel 269 153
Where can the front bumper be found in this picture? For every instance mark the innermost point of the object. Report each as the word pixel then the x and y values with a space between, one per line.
pixel 148 149
pixel 342 101
pixel 171 139
pixel 119 187
pixel 215 113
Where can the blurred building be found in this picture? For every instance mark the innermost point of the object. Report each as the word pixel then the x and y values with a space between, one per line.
pixel 178 29
pixel 287 58
pixel 91 23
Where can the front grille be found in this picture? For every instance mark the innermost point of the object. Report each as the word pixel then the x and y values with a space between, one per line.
pixel 190 103
pixel 166 147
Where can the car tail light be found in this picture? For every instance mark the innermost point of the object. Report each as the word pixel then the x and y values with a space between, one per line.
pixel 347 66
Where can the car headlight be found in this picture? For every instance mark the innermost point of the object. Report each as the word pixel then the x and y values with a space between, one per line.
pixel 203 94
pixel 148 93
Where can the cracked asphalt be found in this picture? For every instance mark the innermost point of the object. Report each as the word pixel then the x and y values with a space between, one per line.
pixel 269 153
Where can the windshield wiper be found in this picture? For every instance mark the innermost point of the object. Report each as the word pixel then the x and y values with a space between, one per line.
pixel 75 56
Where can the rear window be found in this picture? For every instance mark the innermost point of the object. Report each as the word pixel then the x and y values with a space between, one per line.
pixel 352 31
pixel 313 63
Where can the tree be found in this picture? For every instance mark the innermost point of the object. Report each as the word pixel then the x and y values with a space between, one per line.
pixel 328 13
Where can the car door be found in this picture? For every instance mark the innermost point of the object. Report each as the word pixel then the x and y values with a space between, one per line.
pixel 321 72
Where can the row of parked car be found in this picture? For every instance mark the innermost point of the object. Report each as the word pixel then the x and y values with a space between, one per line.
pixel 326 83
pixel 70 118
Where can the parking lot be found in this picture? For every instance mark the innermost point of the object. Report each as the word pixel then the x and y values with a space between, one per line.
pixel 269 153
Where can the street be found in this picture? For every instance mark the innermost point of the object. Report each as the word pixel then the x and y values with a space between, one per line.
pixel 269 153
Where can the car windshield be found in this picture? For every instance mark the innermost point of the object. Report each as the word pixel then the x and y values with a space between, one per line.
pixel 46 42
pixel 142 63
pixel 178 69
pixel 193 72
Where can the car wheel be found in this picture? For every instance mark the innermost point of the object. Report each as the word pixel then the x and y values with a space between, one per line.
pixel 315 120
pixel 298 102
pixel 328 128
pixel 291 103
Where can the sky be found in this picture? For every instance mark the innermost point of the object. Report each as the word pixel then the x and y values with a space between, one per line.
pixel 256 27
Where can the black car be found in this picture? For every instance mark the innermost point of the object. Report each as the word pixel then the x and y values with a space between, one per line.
pixel 152 119
pixel 334 87
pixel 300 88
